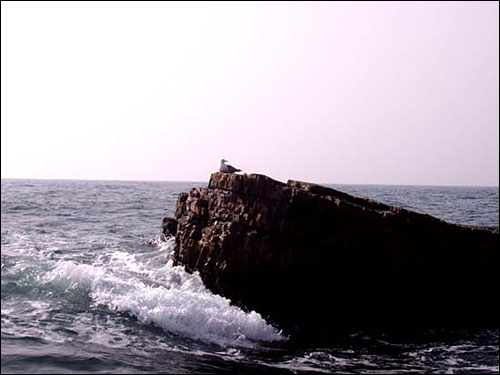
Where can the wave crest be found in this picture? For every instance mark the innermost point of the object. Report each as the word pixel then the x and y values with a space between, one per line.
pixel 165 296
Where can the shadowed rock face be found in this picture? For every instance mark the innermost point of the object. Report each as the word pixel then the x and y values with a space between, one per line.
pixel 312 259
pixel 169 227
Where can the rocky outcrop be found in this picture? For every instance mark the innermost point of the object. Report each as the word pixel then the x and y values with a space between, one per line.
pixel 313 259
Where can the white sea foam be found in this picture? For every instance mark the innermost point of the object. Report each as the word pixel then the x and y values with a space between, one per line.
pixel 166 296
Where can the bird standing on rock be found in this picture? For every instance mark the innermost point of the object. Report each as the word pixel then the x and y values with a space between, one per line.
pixel 226 168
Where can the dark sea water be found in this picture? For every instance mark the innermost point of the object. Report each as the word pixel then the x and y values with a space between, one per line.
pixel 87 287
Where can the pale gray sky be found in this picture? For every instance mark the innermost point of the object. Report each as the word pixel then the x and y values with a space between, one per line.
pixel 385 93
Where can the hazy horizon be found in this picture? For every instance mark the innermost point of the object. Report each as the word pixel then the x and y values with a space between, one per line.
pixel 206 181
pixel 378 93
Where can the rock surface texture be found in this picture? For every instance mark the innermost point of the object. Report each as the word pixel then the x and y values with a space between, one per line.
pixel 313 260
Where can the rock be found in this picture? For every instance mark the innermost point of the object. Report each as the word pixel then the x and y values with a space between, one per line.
pixel 169 227
pixel 313 260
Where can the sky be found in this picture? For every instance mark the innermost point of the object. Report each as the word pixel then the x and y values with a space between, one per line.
pixel 326 92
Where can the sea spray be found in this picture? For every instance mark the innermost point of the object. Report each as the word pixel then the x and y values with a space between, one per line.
pixel 164 295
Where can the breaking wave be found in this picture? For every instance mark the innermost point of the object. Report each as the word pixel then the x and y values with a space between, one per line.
pixel 155 291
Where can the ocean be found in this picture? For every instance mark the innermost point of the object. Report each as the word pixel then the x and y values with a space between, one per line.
pixel 88 287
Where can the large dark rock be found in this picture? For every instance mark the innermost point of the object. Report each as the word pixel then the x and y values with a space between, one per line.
pixel 312 259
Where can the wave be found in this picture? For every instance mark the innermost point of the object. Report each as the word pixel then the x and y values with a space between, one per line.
pixel 156 292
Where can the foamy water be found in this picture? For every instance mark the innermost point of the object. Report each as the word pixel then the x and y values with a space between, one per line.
pixel 154 291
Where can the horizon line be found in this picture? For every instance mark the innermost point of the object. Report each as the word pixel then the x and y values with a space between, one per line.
pixel 206 181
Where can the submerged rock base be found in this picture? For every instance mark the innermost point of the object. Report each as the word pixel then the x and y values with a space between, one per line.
pixel 314 260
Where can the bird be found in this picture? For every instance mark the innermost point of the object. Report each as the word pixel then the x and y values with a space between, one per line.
pixel 226 168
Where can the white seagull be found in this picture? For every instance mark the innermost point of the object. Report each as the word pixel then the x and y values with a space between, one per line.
pixel 226 168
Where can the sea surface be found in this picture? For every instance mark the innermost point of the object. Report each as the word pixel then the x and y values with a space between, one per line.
pixel 88 287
